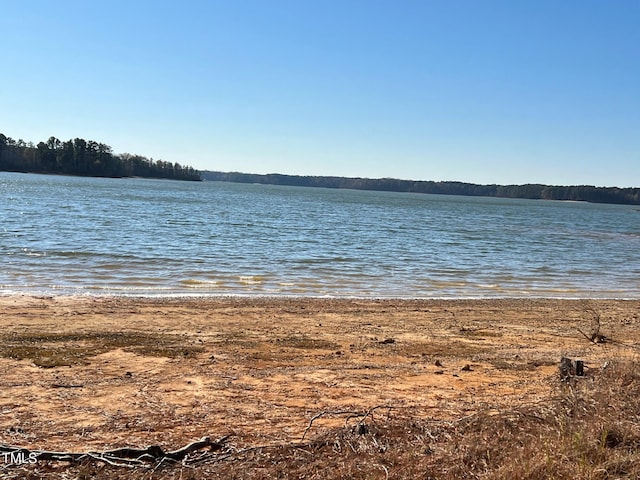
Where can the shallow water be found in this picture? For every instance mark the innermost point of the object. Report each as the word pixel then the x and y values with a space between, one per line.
pixel 73 235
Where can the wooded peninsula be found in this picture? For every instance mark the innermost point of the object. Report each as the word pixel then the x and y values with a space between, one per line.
pixel 584 193
pixel 84 158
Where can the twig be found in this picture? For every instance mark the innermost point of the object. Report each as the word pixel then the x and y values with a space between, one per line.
pixel 386 470
pixel 104 459
pixel 370 412
pixel 351 414
pixel 322 414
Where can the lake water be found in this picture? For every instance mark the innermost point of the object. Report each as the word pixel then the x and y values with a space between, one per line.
pixel 72 235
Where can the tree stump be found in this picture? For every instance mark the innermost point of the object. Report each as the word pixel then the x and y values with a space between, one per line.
pixel 566 369
pixel 571 368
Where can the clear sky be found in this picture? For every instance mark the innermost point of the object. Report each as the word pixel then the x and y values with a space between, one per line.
pixel 482 91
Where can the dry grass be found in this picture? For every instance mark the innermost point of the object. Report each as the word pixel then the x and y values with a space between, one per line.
pixel 439 348
pixel 305 342
pixel 588 430
pixel 139 372
pixel 526 365
pixel 48 350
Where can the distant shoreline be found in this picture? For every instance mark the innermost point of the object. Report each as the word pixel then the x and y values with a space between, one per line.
pixel 112 177
pixel 575 193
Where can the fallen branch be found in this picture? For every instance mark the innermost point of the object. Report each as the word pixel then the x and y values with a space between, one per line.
pixel 350 414
pixel 595 338
pixel 120 457
pixel 322 414
pixel 598 339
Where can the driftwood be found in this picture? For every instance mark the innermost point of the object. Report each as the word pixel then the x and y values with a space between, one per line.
pixel 122 457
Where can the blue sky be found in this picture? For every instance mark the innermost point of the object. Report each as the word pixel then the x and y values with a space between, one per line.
pixel 544 91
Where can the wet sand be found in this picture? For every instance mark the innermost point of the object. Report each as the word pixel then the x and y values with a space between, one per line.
pixel 83 373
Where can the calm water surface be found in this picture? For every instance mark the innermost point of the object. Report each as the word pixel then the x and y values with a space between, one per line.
pixel 152 237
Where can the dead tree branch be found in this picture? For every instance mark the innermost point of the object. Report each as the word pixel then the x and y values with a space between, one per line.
pixel 120 457
pixel 350 415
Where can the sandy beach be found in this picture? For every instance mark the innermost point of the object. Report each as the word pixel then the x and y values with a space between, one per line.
pixel 84 373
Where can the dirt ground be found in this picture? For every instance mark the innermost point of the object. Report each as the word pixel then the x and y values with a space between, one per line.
pixel 83 373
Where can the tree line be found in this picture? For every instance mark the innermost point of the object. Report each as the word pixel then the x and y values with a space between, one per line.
pixel 84 158
pixel 585 193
